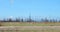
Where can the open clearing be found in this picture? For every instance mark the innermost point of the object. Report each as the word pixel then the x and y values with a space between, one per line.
pixel 30 29
pixel 29 24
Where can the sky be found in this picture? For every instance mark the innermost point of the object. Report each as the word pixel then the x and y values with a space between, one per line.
pixel 36 8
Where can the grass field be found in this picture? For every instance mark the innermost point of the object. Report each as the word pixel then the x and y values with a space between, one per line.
pixel 28 24
pixel 30 29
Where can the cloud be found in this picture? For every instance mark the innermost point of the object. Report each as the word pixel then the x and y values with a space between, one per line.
pixel 10 17
pixel 11 1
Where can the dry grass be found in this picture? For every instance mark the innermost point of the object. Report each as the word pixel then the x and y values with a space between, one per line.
pixel 28 24
pixel 30 29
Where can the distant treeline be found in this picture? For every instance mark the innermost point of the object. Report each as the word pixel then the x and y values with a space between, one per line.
pixel 29 20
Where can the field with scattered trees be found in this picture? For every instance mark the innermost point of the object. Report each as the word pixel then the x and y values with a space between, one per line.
pixel 29 22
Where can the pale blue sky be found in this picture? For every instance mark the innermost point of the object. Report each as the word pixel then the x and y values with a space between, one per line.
pixel 37 8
